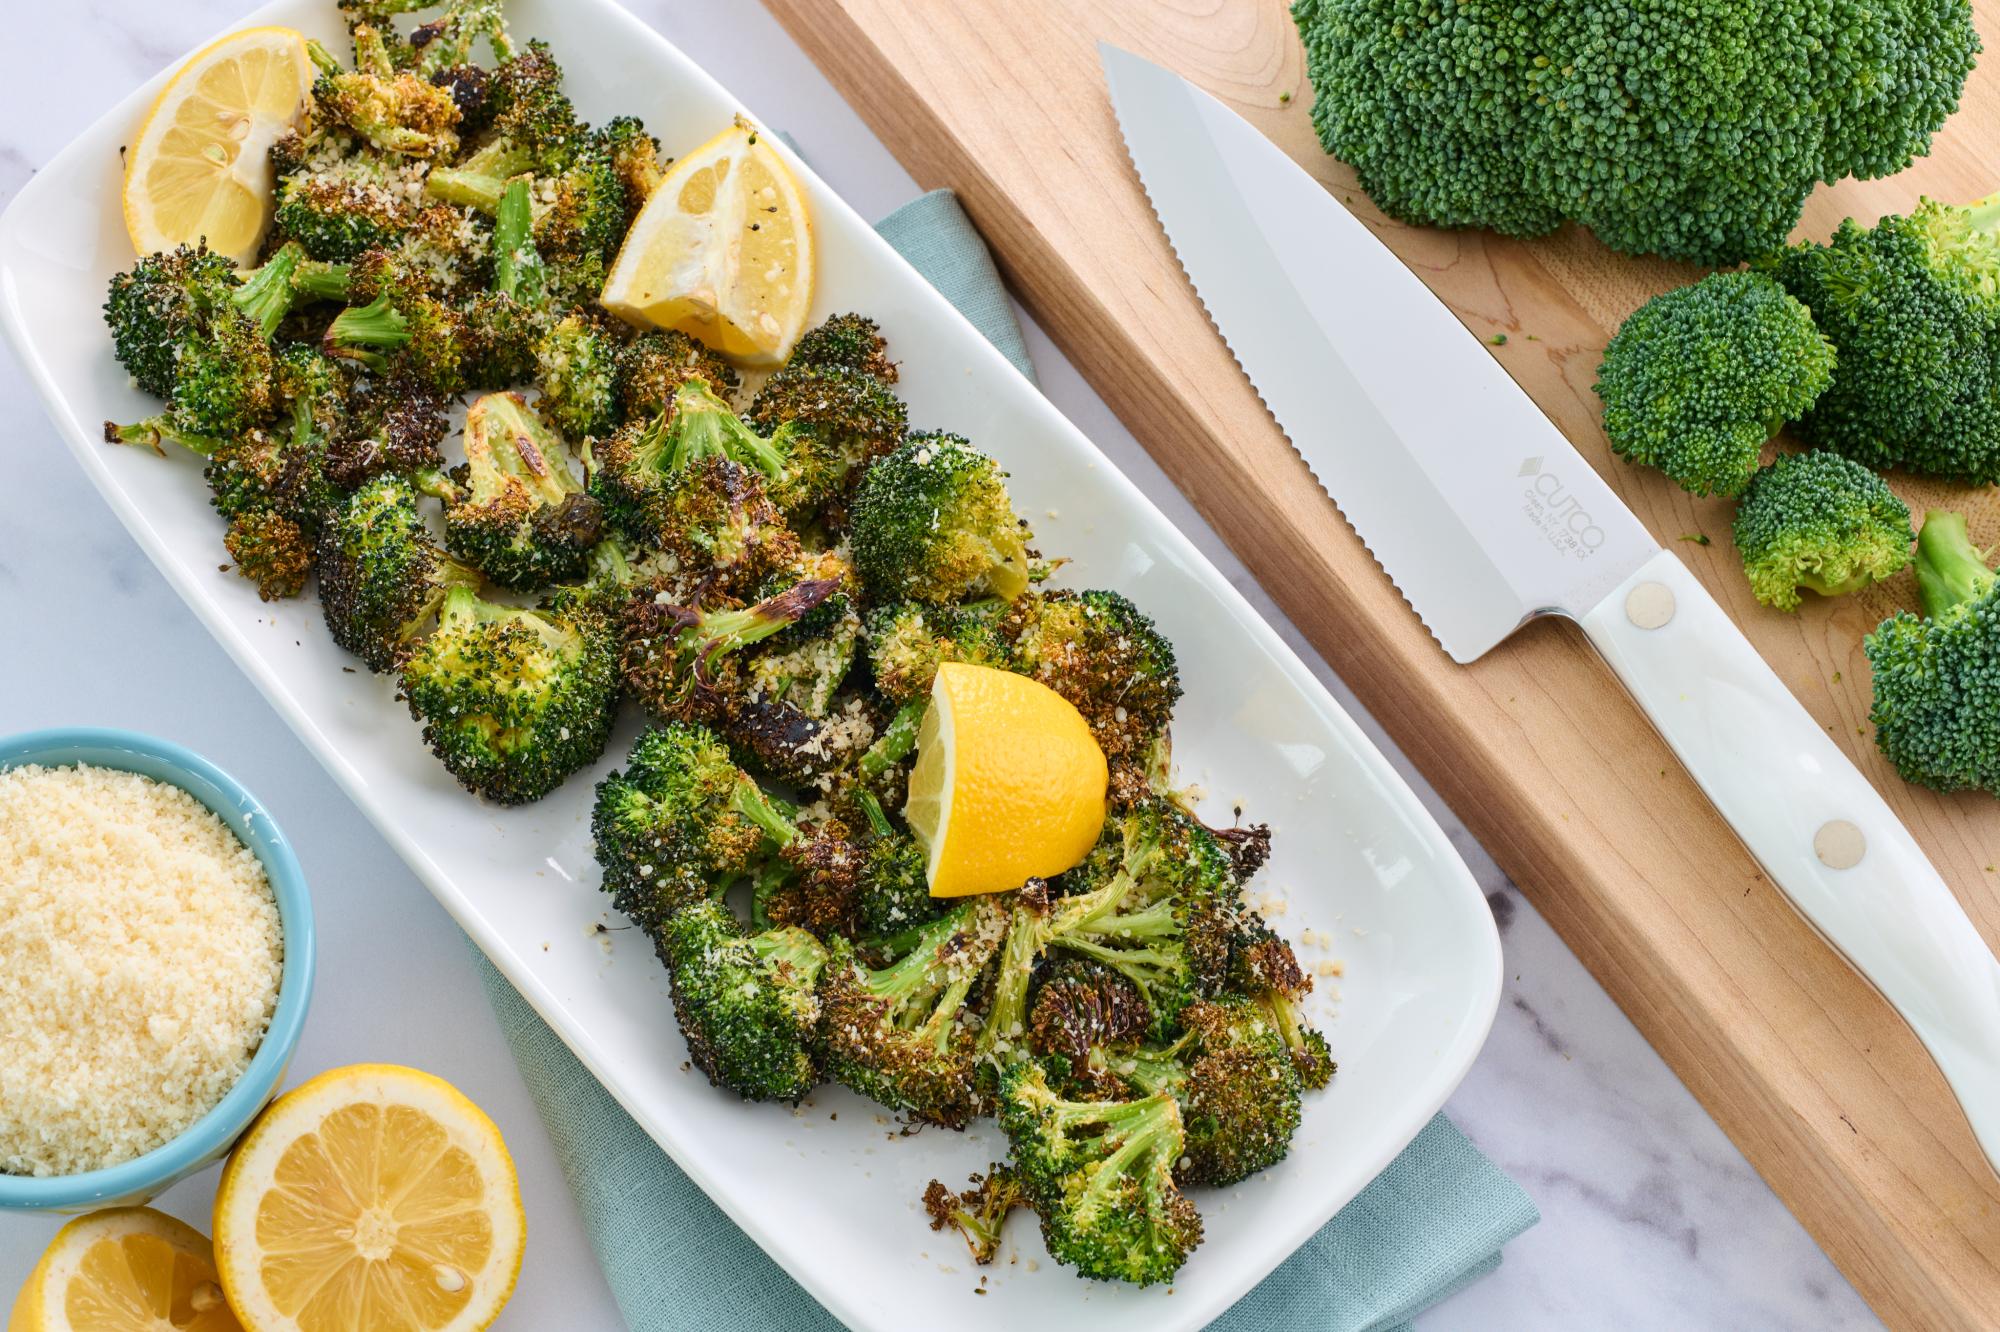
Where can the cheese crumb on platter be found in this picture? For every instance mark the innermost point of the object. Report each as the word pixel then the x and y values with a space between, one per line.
pixel 140 956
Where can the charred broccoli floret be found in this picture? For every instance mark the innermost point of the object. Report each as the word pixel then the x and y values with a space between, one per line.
pixel 1081 1008
pixel 748 1004
pixel 1104 655
pixel 804 663
pixel 1263 968
pixel 396 426
pixel 522 516
pixel 894 892
pixel 845 342
pixel 908 641
pixel 381 577
pixel 680 823
pixel 512 701
pixel 403 329
pixel 978 1212
pixel 398 111
pixel 683 662
pixel 339 200
pixel 1239 1091
pixel 932 522
pixel 1819 521
pixel 1937 676
pixel 1699 379
pixel 652 367
pixel 1100 1175
pixel 902 1035
pixel 831 422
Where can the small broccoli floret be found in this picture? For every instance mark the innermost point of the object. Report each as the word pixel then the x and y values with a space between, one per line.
pixel 803 664
pixel 1937 677
pixel 1819 521
pixel 512 701
pixel 576 370
pixel 1239 1091
pixel 1082 1008
pixel 908 641
pixel 680 823
pixel 635 156
pixel 901 1035
pixel 1912 308
pixel 339 200
pixel 522 516
pixel 397 425
pixel 1263 968
pixel 831 422
pixel 683 662
pixel 932 522
pixel 1699 379
pixel 894 892
pixel 652 367
pixel 845 342
pixel 403 330
pixel 397 111
pixel 271 551
pixel 979 1212
pixel 1100 1174
pixel 162 305
pixel 1103 654
pixel 381 577
pixel 748 1004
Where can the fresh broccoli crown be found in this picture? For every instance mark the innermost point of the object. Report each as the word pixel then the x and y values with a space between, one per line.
pixel 1104 655
pixel 575 371
pixel 908 641
pixel 1517 117
pixel 834 422
pixel 978 1212
pixel 683 661
pixel 715 517
pixel 899 1035
pixel 1100 1174
pixel 400 113
pixel 1937 677
pixel 1911 308
pixel 933 522
pixel 748 1005
pixel 1239 1092
pixel 679 822
pixel 1820 521
pixel 380 575
pixel 512 701
pixel 522 518
pixel 160 306
pixel 895 890
pixel 1698 379
pixel 846 342
pixel 652 366
pixel 271 551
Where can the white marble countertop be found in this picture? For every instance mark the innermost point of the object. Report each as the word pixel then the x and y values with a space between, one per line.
pixel 1651 1218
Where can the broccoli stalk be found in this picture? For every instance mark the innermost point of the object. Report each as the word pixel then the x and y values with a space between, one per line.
pixel 518 270
pixel 364 332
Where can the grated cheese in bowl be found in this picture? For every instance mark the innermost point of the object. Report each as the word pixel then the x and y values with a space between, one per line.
pixel 140 956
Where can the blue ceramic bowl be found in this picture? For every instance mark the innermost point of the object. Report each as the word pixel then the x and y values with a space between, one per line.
pixel 208 1138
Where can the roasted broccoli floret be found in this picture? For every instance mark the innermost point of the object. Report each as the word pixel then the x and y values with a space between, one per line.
pixel 1103 654
pixel 1699 379
pixel 403 329
pixel 652 367
pixel 1912 308
pixel 978 1212
pixel 804 663
pixel 339 200
pixel 396 424
pixel 1100 1175
pixel 521 516
pixel 381 577
pixel 1693 131
pixel 902 1035
pixel 1263 967
pixel 845 342
pixel 680 823
pixel 894 892
pixel 635 157
pixel 1082 1008
pixel 576 370
pixel 513 701
pixel 748 1004
pixel 1937 676
pixel 397 111
pixel 932 522
pixel 908 641
pixel 831 422
pixel 684 662
pixel 1819 521
pixel 1239 1091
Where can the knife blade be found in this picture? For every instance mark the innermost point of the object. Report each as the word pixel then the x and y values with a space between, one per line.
pixel 1484 515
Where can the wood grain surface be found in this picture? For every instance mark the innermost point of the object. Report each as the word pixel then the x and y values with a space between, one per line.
pixel 1535 746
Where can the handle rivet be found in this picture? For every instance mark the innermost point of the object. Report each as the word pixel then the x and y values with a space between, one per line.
pixel 1839 844
pixel 1649 605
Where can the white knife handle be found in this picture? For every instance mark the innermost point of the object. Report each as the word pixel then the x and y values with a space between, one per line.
pixel 1815 824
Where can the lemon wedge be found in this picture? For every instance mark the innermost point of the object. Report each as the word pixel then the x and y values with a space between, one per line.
pixel 1008 784
pixel 200 166
pixel 375 1197
pixel 722 251
pixel 127 1269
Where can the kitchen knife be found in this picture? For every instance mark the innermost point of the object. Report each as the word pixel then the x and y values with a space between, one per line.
pixel 1484 517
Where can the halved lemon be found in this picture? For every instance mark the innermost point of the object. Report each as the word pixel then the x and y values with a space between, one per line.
pixel 1008 784
pixel 126 1269
pixel 374 1197
pixel 200 165
pixel 722 251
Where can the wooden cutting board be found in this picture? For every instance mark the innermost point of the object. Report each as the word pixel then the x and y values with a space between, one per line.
pixel 1535 746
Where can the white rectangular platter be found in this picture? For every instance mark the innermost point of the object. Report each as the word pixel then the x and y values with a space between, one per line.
pixel 831 1190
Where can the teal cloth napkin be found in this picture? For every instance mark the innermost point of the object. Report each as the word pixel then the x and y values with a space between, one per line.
pixel 1431 1223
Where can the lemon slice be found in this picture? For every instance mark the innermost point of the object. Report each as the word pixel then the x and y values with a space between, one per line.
pixel 200 166
pixel 128 1269
pixel 371 1197
pixel 722 251
pixel 1008 784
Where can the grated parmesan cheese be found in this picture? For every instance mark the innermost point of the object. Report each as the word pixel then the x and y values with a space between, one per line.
pixel 140 953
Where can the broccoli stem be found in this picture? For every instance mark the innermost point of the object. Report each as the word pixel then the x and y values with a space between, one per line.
pixel 878 822
pixel 323 60
pixel 748 799
pixel 358 328
pixel 318 281
pixel 518 270
pixel 1950 569
pixel 156 430
pixel 898 738
pixel 266 293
